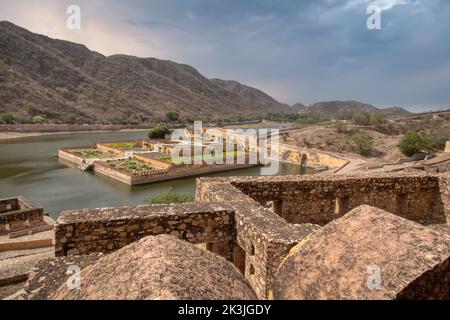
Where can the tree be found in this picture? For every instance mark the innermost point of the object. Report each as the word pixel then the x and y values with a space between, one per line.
pixel 412 143
pixel 158 132
pixel 363 143
pixel 172 116
pixel 190 120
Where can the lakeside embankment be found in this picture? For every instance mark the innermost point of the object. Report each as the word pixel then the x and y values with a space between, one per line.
pixel 14 131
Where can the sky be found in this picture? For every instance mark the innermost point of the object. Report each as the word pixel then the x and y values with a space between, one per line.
pixel 294 50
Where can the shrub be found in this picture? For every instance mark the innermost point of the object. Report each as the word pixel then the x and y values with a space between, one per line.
pixel 307 142
pixel 412 143
pixel 362 119
pixel 171 197
pixel 158 132
pixel 435 141
pixel 340 126
pixel 363 143
pixel 172 116
pixel 284 137
pixel 39 119
pixel 7 118
pixel 377 120
pixel 306 120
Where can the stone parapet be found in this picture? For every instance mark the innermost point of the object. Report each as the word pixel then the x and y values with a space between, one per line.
pixel 108 229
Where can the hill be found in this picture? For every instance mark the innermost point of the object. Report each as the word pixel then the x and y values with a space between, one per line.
pixel 345 109
pixel 63 82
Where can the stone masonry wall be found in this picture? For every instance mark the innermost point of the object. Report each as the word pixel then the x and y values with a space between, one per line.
pixel 321 200
pixel 18 213
pixel 108 229
pixel 444 188
pixel 248 219
pixel 263 238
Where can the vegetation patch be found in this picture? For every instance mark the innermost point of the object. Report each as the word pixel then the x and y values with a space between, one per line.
pixel 171 197
pixel 92 154
pixel 363 143
pixel 206 157
pixel 121 144
pixel 130 165
pixel 158 132
pixel 415 142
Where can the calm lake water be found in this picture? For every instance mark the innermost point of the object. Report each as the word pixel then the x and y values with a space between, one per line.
pixel 30 167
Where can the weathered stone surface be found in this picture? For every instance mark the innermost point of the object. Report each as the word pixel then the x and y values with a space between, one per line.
pixel 18 214
pixel 161 267
pixel 341 260
pixel 49 274
pixel 255 221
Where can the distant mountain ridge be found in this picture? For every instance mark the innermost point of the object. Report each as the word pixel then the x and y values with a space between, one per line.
pixel 64 82
pixel 67 83
pixel 342 109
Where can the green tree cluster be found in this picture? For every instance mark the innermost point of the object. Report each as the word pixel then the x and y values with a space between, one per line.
pixel 158 132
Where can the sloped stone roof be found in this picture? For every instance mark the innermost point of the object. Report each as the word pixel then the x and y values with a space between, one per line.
pixel 161 267
pixel 367 254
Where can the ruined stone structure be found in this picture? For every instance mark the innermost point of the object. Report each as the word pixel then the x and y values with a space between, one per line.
pixel 161 267
pixel 254 222
pixel 435 165
pixel 368 254
pixel 18 214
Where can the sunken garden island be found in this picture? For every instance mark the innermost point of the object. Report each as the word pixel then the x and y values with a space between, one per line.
pixel 147 161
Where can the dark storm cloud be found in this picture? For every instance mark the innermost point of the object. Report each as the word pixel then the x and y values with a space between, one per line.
pixel 298 51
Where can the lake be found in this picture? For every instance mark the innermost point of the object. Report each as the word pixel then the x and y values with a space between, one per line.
pixel 30 167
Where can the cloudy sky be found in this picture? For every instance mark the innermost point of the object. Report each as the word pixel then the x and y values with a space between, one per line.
pixel 297 51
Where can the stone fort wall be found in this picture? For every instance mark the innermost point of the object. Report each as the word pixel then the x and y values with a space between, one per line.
pixel 319 201
pixel 251 220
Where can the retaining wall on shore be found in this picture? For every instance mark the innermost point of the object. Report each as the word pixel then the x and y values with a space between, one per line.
pixel 313 158
pixel 67 127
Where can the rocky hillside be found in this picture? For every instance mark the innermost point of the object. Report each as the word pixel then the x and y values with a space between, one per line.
pixel 64 82
pixel 343 109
